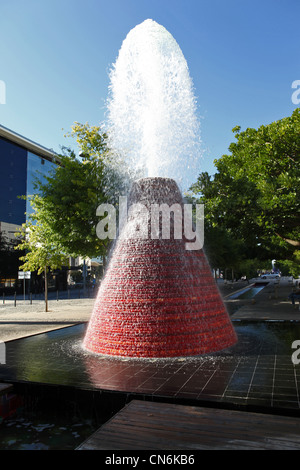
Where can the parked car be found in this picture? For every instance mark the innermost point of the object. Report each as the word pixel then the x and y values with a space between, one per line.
pixel 270 276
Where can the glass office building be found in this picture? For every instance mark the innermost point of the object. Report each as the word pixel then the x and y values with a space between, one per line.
pixel 37 168
pixel 21 162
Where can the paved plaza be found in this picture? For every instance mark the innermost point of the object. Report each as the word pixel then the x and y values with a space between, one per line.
pixel 45 358
pixel 26 319
pixel 29 319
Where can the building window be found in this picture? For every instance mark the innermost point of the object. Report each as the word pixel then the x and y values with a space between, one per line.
pixel 37 169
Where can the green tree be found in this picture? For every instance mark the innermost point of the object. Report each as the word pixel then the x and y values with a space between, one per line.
pixel 255 193
pixel 43 251
pixel 64 216
pixel 72 193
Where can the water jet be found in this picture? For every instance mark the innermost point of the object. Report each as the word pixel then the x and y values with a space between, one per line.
pixel 157 299
pixel 152 109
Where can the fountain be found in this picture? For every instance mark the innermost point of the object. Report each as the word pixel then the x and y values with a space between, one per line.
pixel 158 298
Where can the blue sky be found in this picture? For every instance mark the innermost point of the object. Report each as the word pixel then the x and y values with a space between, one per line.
pixel 243 56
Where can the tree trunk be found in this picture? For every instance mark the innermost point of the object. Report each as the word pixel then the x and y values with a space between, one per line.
pixel 46 290
pixel 84 277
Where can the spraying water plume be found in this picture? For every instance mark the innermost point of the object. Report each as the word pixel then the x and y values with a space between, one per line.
pixel 158 298
pixel 152 108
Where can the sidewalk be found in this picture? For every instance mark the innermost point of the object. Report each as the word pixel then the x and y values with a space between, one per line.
pixel 26 319
pixel 271 303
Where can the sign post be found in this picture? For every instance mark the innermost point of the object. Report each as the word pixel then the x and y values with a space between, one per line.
pixel 24 275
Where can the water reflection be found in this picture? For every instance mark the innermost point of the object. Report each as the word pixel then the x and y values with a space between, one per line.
pixel 58 357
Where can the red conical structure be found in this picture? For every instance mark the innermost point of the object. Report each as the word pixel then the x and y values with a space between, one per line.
pixel 157 299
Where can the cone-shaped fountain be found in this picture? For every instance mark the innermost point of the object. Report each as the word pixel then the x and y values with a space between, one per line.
pixel 157 299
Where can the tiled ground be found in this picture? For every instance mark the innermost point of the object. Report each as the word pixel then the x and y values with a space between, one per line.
pixel 258 371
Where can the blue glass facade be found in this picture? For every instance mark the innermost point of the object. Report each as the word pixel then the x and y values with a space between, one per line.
pixel 19 170
pixel 21 163
pixel 37 168
pixel 13 166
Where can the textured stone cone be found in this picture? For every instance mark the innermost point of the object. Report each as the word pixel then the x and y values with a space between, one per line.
pixel 157 299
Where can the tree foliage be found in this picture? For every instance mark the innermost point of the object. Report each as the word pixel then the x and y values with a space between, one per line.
pixel 64 220
pixel 255 193
pixel 41 246
pixel 43 251
pixel 72 193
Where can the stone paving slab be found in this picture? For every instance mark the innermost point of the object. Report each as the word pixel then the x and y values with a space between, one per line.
pixel 28 319
pixel 271 303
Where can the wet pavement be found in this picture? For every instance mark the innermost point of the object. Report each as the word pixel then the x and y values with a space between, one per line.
pixel 257 372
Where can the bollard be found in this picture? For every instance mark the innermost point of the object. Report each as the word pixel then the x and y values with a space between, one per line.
pixel 15 299
pixel 30 298
pixel 3 298
pixel 57 295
